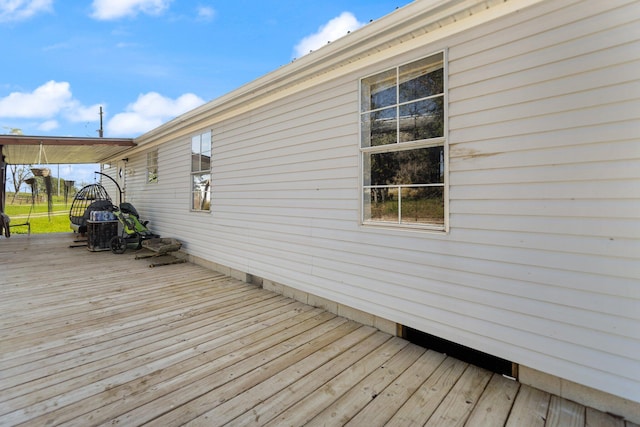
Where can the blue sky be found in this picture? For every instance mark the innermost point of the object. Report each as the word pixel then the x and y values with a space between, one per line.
pixel 147 61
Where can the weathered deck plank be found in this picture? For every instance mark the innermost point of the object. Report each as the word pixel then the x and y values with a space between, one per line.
pixel 600 419
pixel 425 401
pixel 285 398
pixel 326 394
pixel 495 404
pixel 258 394
pixel 564 413
pixel 367 390
pixel 457 406
pixel 529 409
pixel 100 339
pixel 389 401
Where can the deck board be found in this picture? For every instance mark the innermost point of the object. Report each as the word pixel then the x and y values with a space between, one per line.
pixel 425 401
pixel 495 404
pixel 457 406
pixel 368 389
pixel 93 338
pixel 564 413
pixel 395 395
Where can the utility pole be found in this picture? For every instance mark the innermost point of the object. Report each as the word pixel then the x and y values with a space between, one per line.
pixel 100 131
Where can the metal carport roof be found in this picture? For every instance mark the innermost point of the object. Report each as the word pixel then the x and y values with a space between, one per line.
pixel 22 149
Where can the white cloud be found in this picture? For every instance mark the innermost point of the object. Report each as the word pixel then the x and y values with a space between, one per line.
pixel 332 30
pixel 206 13
pixel 49 102
pixel 49 125
pixel 44 102
pixel 113 9
pixel 75 112
pixel 19 10
pixel 149 111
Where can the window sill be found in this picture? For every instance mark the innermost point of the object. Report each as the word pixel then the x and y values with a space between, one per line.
pixel 436 229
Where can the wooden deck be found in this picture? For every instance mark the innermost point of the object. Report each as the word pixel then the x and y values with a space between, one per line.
pixel 91 338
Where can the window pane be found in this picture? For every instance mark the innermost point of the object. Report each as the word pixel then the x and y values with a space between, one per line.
pixel 379 127
pixel 379 91
pixel 201 190
pixel 195 153
pixel 421 79
pixel 420 166
pixel 422 205
pixel 152 175
pixel 205 163
pixel 422 120
pixel 152 166
pixel 381 204
pixel 205 144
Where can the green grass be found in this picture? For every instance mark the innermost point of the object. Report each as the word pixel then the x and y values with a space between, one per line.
pixel 39 219
pixel 418 211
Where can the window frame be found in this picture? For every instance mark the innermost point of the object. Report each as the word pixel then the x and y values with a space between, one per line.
pixel 200 172
pixel 440 141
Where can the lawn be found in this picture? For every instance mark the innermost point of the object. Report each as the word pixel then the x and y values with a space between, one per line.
pixel 41 223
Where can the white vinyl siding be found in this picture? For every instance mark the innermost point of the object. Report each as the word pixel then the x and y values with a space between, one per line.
pixel 541 265
pixel 542 176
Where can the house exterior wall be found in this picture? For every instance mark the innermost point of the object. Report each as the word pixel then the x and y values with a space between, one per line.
pixel 540 265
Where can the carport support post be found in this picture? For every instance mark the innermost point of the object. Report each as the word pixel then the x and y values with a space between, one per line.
pixel 3 178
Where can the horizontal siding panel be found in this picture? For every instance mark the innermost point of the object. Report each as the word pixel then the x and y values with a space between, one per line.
pixel 337 92
pixel 330 213
pixel 315 141
pixel 554 40
pixel 325 105
pixel 604 209
pixel 603 171
pixel 536 264
pixel 239 145
pixel 318 176
pixel 263 197
pixel 615 75
pixel 594 190
pixel 474 318
pixel 529 22
pixel 492 83
pixel 619 228
pixel 571 137
pixel 286 204
pixel 281 119
pixel 487 306
pixel 340 156
pixel 546 123
pixel 521 107
pixel 592 153
pixel 309 184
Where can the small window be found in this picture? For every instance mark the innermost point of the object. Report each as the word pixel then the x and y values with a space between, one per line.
pixel 402 144
pixel 201 172
pixel 152 166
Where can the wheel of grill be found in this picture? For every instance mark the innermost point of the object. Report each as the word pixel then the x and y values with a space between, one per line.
pixel 118 245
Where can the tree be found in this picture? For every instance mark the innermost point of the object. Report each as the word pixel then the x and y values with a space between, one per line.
pixel 18 174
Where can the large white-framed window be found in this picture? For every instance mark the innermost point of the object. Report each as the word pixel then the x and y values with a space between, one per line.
pixel 201 172
pixel 403 145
